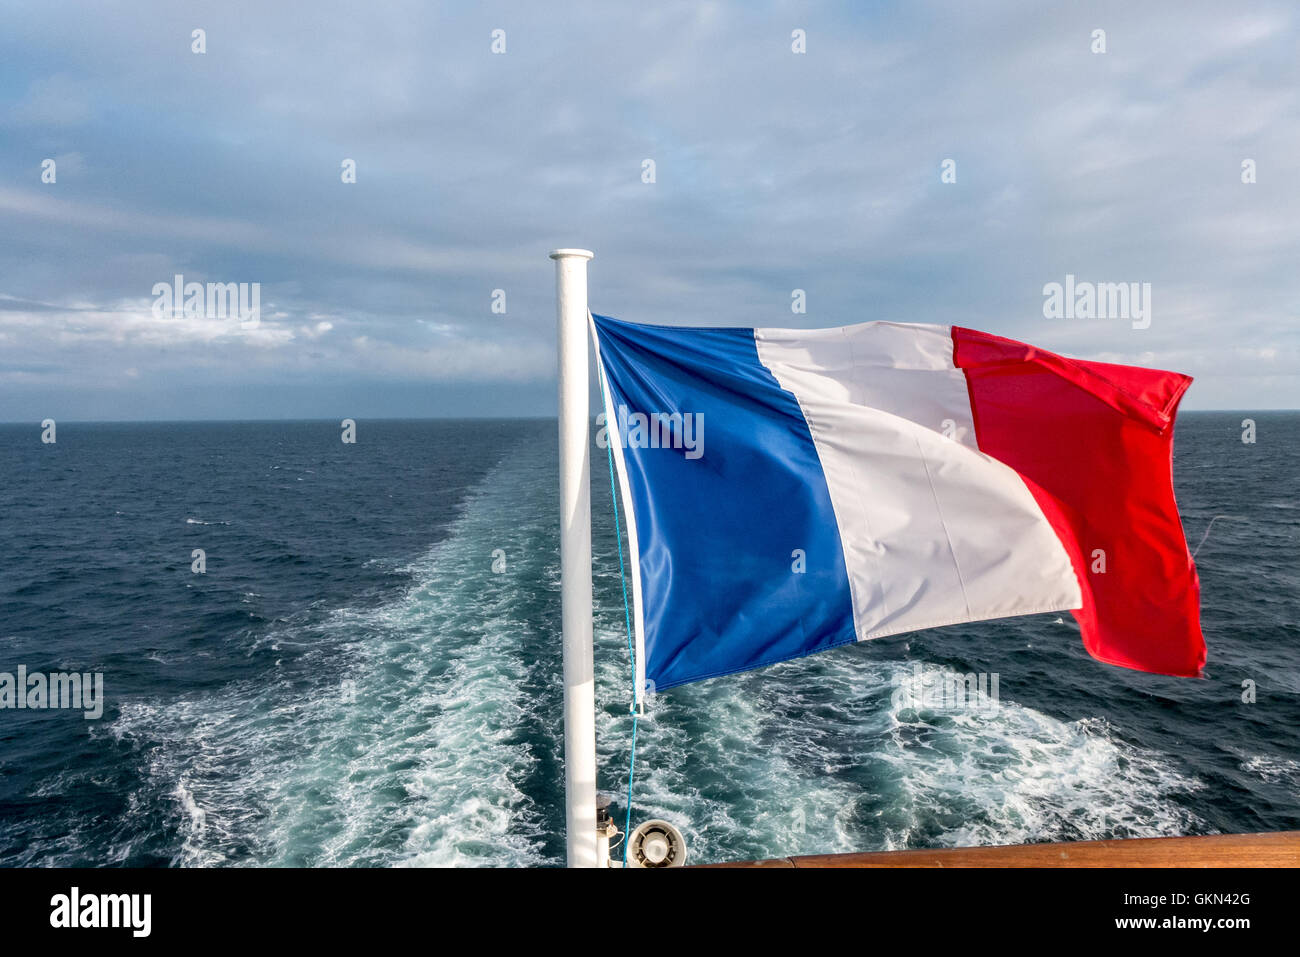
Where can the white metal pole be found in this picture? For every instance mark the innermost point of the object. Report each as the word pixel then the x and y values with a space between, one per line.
pixel 575 558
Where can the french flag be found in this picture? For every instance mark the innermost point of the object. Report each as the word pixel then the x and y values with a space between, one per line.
pixel 790 490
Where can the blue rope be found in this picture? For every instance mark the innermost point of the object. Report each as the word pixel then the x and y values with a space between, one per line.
pixel 627 618
pixel 627 823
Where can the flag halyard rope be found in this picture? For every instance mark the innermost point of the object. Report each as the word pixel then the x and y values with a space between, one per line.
pixel 627 618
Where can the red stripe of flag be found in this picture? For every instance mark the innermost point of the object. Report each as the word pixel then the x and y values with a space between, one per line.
pixel 1094 444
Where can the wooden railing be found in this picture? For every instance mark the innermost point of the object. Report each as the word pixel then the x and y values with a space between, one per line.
pixel 1280 849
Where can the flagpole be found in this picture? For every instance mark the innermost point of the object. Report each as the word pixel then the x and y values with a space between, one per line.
pixel 575 558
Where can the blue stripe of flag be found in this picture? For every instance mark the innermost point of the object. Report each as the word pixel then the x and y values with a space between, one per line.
pixel 718 534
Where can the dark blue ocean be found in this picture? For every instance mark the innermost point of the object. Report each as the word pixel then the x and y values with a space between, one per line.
pixel 351 682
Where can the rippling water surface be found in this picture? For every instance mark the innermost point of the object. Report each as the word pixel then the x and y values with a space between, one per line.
pixel 351 683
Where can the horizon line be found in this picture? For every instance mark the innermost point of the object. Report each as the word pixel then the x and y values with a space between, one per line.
pixel 429 418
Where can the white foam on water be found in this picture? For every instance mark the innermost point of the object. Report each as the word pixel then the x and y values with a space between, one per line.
pixel 408 751
pixel 1020 776
pixel 1273 769
pixel 814 757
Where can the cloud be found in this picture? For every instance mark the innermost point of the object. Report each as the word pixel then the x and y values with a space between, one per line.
pixel 775 171
pixel 57 100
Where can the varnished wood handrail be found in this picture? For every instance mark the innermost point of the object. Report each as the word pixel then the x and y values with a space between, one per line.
pixel 1279 849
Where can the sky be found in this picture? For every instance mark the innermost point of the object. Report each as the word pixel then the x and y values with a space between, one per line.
pixel 774 170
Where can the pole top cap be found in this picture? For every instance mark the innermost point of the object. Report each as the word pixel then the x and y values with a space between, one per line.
pixel 572 253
